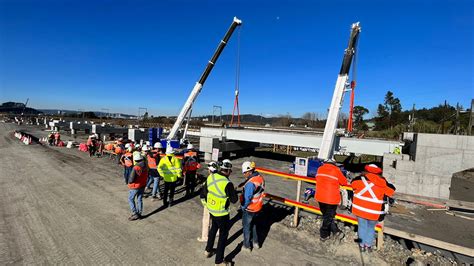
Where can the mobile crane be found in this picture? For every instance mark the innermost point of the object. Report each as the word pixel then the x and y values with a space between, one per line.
pixel 186 110
pixel 327 146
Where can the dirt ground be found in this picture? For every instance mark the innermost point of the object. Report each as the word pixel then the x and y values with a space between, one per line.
pixel 58 206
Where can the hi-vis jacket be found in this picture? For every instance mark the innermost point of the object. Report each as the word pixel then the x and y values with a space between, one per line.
pixel 127 159
pixel 369 193
pixel 253 193
pixel 328 179
pixel 138 176
pixel 170 168
pixel 217 194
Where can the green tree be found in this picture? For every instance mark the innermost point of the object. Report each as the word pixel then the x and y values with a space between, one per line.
pixel 394 108
pixel 359 112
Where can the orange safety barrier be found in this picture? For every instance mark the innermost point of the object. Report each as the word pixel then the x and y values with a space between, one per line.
pixel 313 209
pixel 293 176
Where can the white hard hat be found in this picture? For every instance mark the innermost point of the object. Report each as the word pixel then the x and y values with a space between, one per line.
pixel 247 166
pixel 169 150
pixel 226 164
pixel 127 146
pixel 158 145
pixel 145 148
pixel 213 167
pixel 137 156
pixel 190 146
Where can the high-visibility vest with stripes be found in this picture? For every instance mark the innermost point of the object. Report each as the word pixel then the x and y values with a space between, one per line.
pixel 368 197
pixel 328 179
pixel 170 169
pixel 151 158
pixel 127 159
pixel 216 197
pixel 257 199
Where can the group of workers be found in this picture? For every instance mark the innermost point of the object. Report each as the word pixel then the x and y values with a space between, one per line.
pixel 145 166
pixel 54 138
pixel 370 194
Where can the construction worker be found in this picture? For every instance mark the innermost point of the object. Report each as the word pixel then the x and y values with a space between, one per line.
pixel 119 149
pixel 51 139
pixel 91 145
pixel 153 177
pixel 371 192
pixel 252 203
pixel 212 168
pixel 156 153
pixel 57 138
pixel 170 169
pixel 136 185
pixel 127 161
pixel 328 179
pixel 190 168
pixel 217 195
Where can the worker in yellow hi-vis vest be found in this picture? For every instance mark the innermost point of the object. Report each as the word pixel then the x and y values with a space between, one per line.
pixel 216 195
pixel 170 170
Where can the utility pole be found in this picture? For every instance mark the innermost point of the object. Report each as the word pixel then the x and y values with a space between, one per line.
pixel 471 118
pixel 412 118
pixel 458 124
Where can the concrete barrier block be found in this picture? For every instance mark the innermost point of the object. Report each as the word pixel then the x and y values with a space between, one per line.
pixel 467 160
pixel 437 140
pixel 443 192
pixel 469 143
pixel 406 166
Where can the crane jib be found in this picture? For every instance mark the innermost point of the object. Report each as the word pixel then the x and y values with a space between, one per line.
pixel 198 86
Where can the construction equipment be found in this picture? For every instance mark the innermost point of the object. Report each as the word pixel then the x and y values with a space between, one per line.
pixel 198 87
pixel 327 146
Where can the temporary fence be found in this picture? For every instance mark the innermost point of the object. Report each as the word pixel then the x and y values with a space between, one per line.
pixel 313 209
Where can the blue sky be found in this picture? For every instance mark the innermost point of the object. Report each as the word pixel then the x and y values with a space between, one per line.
pixel 122 55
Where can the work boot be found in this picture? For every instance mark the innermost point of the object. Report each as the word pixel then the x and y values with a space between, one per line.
pixel 323 238
pixel 208 254
pixel 256 245
pixel 133 217
pixel 201 239
pixel 244 248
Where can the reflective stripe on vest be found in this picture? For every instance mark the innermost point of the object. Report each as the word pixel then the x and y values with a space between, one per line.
pixel 151 162
pixel 170 170
pixel 368 187
pixel 330 176
pixel 257 198
pixel 373 198
pixel 216 197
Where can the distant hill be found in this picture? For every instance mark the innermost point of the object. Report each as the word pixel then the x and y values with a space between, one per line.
pixel 17 108
pixel 72 112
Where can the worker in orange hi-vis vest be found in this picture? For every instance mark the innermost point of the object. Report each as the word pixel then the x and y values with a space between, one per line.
pixel 328 179
pixel 371 192
pixel 127 162
pixel 136 185
pixel 252 203
pixel 191 165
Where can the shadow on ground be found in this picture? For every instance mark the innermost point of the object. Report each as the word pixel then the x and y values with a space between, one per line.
pixel 270 214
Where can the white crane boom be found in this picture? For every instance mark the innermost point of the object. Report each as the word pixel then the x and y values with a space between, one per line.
pixel 327 146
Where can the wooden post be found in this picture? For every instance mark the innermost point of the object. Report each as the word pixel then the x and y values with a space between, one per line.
pixel 274 147
pixel 297 210
pixel 380 237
